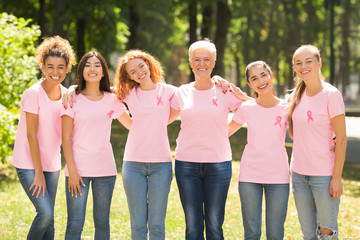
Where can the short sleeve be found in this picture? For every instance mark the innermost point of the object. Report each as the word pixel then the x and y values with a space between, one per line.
pixel 30 101
pixel 233 102
pixel 335 104
pixel 118 107
pixel 69 111
pixel 239 115
pixel 171 91
pixel 175 100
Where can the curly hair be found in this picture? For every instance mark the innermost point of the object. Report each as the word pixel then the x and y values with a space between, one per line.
pixel 55 47
pixel 80 80
pixel 123 84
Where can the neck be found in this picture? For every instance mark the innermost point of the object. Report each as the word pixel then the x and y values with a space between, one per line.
pixel 267 100
pixel 52 90
pixel 148 85
pixel 313 87
pixel 92 89
pixel 203 83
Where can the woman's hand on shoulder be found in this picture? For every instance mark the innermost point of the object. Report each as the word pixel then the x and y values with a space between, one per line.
pixel 68 98
pixel 239 93
pixel 224 84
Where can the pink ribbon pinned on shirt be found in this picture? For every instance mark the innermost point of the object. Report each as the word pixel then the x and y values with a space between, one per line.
pixel 309 114
pixel 110 113
pixel 214 100
pixel 159 101
pixel 278 121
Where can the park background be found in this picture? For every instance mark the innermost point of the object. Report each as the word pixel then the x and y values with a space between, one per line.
pixel 242 30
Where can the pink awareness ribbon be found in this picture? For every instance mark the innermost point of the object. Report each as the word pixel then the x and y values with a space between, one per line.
pixel 110 113
pixel 309 114
pixel 214 101
pixel 159 101
pixel 278 121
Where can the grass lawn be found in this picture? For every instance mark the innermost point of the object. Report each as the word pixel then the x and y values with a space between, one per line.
pixel 17 213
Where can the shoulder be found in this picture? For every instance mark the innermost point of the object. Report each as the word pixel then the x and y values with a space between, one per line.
pixel 330 88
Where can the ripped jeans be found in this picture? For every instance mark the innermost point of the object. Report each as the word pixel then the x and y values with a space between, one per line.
pixel 315 206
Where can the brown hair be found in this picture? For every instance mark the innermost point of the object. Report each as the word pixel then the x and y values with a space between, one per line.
pixel 123 84
pixel 300 84
pixel 257 64
pixel 80 80
pixel 55 47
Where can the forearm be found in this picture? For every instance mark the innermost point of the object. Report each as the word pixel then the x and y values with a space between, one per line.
pixel 340 152
pixel 35 152
pixel 68 154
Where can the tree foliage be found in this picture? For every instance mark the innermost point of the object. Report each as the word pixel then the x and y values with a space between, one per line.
pixel 17 72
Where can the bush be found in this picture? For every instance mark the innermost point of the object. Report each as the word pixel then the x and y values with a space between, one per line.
pixel 17 72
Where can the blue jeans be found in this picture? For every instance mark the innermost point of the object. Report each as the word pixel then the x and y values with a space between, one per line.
pixel 147 187
pixel 203 189
pixel 276 201
pixel 102 190
pixel 315 206
pixel 43 225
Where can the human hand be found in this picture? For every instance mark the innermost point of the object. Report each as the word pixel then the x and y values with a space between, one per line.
pixel 336 188
pixel 238 93
pixel 224 84
pixel 68 98
pixel 38 185
pixel 74 184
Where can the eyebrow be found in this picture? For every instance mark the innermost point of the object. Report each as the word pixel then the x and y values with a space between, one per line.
pixel 50 64
pixel 305 59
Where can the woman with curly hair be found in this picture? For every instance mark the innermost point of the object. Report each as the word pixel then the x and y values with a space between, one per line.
pixel 147 168
pixel 38 138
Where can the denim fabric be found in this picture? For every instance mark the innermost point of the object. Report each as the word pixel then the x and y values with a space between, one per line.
pixel 276 202
pixel 102 191
pixel 315 206
pixel 43 225
pixel 203 189
pixel 147 187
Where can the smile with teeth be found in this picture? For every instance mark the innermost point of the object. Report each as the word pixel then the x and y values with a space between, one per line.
pixel 55 78
pixel 143 76
pixel 202 69
pixel 263 86
pixel 92 75
pixel 304 72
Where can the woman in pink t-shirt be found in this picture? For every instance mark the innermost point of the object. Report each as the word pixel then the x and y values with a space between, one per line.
pixel 86 128
pixel 147 167
pixel 38 137
pixel 264 164
pixel 316 115
pixel 203 154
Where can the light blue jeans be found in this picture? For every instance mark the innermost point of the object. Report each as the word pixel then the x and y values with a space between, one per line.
pixel 42 226
pixel 203 189
pixel 276 202
pixel 102 191
pixel 147 187
pixel 315 206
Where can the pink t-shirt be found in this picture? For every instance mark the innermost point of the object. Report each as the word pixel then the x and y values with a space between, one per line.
pixel 148 140
pixel 92 150
pixel 204 117
pixel 313 132
pixel 264 159
pixel 35 100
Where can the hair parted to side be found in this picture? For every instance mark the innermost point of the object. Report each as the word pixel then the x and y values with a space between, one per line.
pixel 123 84
pixel 299 83
pixel 261 64
pixel 80 80
pixel 55 47
pixel 206 43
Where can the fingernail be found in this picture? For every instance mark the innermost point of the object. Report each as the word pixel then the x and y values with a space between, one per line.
pixel 71 106
pixel 230 90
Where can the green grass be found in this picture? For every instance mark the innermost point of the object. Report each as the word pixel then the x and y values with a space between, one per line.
pixel 17 212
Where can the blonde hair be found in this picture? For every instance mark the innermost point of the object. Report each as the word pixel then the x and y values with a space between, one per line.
pixel 55 47
pixel 299 83
pixel 123 84
pixel 206 43
pixel 257 64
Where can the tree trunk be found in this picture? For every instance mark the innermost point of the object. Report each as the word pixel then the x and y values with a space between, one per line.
pixel 59 18
pixel 223 18
pixel 41 19
pixel 208 18
pixel 80 33
pixel 345 50
pixel 192 7
pixel 134 25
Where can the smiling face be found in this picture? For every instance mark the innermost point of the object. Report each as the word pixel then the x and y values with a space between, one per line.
pixel 260 80
pixel 201 62
pixel 306 65
pixel 93 71
pixel 54 70
pixel 138 70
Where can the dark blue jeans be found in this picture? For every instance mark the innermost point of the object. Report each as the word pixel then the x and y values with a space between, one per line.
pixel 102 191
pixel 203 189
pixel 43 225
